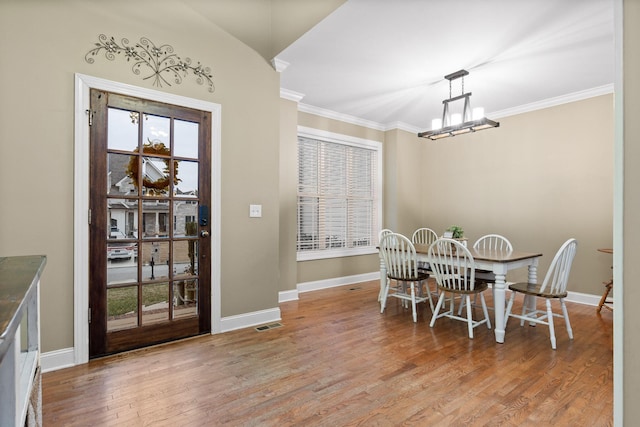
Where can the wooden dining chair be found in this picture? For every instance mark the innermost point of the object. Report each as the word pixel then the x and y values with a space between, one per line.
pixel 554 286
pixel 604 300
pixel 608 287
pixel 454 269
pixel 404 280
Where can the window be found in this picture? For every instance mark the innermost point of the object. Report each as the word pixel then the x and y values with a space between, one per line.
pixel 162 223
pixel 339 188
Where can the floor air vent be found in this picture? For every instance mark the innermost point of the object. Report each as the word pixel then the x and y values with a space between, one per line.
pixel 266 327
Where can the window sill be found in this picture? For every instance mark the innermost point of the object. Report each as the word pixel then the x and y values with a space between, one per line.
pixel 340 253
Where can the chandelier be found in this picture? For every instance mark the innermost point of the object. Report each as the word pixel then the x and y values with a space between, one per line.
pixel 456 123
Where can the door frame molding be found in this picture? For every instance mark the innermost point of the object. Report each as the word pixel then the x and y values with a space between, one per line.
pixel 83 85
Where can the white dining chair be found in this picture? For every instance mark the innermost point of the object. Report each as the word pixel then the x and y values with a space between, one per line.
pixel 424 236
pixel 554 286
pixel 454 269
pixel 381 234
pixel 404 280
pixel 495 243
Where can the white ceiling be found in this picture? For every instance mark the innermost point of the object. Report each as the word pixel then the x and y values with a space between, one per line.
pixel 385 61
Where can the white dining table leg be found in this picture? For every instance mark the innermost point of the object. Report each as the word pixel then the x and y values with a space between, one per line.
pixel 499 303
pixel 531 300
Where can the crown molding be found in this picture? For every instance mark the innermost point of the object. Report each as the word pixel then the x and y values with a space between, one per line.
pixel 547 103
pixel 279 65
pixel 402 126
pixel 291 95
pixel 305 108
pixel 553 102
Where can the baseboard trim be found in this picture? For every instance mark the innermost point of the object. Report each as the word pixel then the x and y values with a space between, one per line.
pixel 284 296
pixel 247 320
pixel 293 295
pixel 337 281
pixel 57 359
pixel 580 298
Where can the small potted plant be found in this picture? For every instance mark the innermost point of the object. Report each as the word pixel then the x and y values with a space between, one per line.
pixel 457 233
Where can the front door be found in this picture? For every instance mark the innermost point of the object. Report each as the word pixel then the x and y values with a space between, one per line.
pixel 149 278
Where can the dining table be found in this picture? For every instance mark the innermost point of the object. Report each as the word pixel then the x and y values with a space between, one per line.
pixel 498 262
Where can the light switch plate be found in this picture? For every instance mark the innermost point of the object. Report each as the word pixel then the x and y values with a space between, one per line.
pixel 255 211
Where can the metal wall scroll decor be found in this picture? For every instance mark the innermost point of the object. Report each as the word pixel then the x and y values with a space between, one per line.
pixel 159 63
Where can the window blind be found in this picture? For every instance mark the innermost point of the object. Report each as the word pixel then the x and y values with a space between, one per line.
pixel 337 196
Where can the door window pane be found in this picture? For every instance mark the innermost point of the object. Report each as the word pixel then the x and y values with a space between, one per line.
pixel 156 129
pixel 122 131
pixel 155 303
pixel 122 308
pixel 119 181
pixel 154 217
pixel 185 258
pixel 122 263
pixel 187 179
pixel 185 136
pixel 155 260
pixel 185 214
pixel 122 218
pixel 156 176
pixel 185 298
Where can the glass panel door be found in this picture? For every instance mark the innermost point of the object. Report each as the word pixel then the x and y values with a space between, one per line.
pixel 147 198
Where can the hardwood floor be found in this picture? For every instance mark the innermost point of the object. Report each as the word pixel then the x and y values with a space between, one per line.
pixel 336 361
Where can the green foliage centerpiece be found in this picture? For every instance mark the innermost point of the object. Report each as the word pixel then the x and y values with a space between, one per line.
pixel 457 233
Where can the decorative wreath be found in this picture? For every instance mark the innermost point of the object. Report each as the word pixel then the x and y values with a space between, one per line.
pixel 159 185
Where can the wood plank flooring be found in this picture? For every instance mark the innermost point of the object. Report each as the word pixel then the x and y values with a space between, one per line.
pixel 336 361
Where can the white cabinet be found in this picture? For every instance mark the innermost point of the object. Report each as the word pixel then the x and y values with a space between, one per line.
pixel 19 336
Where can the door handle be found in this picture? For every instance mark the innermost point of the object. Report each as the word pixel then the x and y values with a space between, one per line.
pixel 204 233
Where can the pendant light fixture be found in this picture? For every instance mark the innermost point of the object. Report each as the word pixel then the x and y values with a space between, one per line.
pixel 456 123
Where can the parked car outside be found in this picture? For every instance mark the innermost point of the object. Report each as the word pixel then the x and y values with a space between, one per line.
pixel 117 250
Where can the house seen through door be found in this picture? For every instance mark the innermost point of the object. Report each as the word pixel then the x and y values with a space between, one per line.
pixel 149 275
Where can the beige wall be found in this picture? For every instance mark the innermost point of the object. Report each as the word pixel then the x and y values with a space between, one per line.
pixel 404 178
pixel 288 193
pixel 630 338
pixel 44 44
